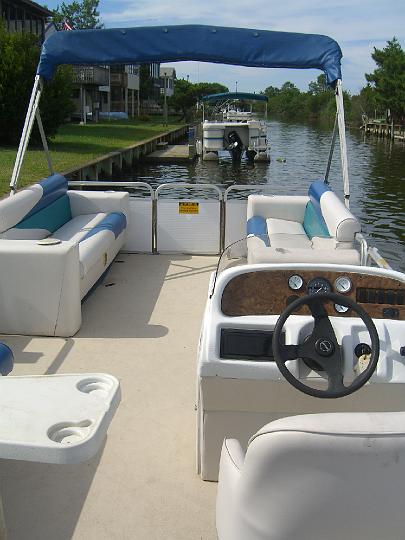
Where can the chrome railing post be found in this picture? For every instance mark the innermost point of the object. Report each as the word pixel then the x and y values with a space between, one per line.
pixel 154 223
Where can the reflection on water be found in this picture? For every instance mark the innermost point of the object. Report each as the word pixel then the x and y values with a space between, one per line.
pixel 376 167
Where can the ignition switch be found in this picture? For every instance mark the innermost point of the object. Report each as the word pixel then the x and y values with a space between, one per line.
pixel 362 349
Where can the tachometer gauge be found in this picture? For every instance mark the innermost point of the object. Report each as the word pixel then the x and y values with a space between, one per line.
pixel 341 309
pixel 319 285
pixel 343 284
pixel 295 282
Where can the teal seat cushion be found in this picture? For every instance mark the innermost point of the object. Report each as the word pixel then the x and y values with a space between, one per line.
pixel 313 224
pixel 49 218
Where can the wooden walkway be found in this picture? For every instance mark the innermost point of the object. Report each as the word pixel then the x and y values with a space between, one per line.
pixel 382 129
pixel 172 153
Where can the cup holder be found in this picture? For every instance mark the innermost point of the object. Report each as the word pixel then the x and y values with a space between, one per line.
pixel 95 385
pixel 69 432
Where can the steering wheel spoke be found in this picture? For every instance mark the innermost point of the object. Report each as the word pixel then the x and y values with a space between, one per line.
pixel 317 308
pixel 291 352
pixel 335 383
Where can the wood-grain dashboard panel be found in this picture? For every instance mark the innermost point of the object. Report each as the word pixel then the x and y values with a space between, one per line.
pixel 267 293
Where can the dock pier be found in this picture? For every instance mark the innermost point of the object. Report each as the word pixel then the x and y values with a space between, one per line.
pixel 114 162
pixel 384 129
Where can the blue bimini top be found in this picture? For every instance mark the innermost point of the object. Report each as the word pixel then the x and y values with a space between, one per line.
pixel 255 48
pixel 235 95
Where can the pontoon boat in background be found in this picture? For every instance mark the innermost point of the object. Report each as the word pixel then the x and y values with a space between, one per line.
pixel 298 308
pixel 231 127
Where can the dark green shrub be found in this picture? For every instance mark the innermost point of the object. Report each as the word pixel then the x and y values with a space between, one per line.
pixel 19 54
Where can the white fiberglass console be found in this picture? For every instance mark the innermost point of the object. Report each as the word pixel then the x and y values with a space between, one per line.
pixel 240 384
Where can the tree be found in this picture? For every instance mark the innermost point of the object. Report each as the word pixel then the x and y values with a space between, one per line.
pixel 186 94
pixel 388 79
pixel 145 82
pixel 80 15
pixel 272 91
pixel 319 86
pixel 184 97
pixel 19 56
pixel 205 89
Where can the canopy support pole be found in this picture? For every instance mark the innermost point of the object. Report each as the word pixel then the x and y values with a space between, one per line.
pixel 26 132
pixel 331 150
pixel 44 141
pixel 342 140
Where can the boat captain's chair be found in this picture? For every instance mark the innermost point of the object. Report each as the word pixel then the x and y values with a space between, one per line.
pixel 334 476
pixel 291 228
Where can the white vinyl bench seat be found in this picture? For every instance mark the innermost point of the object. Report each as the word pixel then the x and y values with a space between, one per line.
pixel 317 228
pixel 55 245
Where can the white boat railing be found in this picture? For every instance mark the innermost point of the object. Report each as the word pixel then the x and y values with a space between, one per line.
pixel 207 226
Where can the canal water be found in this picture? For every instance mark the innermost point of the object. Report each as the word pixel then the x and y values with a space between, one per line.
pixel 299 154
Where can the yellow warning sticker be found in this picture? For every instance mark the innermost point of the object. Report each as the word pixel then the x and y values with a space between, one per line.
pixel 188 207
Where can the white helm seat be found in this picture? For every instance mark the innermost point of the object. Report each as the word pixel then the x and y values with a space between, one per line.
pixel 316 477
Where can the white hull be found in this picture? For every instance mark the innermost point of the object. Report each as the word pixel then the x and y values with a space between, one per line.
pixel 252 133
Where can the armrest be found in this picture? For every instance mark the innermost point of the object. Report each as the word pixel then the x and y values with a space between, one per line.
pixel 39 288
pixel 234 450
pixel 92 202
pixel 291 208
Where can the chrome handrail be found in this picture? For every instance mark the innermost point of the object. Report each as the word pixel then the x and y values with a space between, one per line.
pixel 189 186
pixel 245 187
pixel 109 183
pixel 363 248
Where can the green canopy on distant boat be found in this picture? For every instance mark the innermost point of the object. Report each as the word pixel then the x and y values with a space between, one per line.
pixel 235 95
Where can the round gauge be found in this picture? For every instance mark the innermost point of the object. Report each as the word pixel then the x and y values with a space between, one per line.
pixel 341 309
pixel 343 284
pixel 319 285
pixel 295 282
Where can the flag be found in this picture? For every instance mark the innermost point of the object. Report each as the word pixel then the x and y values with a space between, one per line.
pixel 66 25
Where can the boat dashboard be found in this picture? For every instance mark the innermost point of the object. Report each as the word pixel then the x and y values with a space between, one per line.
pixel 247 301
pixel 269 292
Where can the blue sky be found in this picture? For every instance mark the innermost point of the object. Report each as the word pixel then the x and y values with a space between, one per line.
pixel 357 25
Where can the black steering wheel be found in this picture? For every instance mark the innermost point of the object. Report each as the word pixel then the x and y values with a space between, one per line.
pixel 321 350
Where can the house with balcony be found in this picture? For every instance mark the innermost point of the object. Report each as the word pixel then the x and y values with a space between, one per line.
pixel 125 89
pixel 24 16
pixel 91 91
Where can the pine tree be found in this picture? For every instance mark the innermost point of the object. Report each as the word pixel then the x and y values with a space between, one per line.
pixel 389 78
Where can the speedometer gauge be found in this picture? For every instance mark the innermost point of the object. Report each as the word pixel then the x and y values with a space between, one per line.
pixel 319 285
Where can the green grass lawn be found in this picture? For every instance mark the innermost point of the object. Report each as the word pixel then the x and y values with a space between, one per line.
pixel 75 145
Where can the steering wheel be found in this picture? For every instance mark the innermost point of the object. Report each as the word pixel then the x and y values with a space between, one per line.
pixel 321 348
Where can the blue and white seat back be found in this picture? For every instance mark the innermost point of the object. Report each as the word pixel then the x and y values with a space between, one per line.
pixel 333 217
pixel 37 211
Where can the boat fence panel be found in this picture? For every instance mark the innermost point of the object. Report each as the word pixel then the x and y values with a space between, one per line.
pixel 235 212
pixel 139 234
pixel 139 230
pixel 190 225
